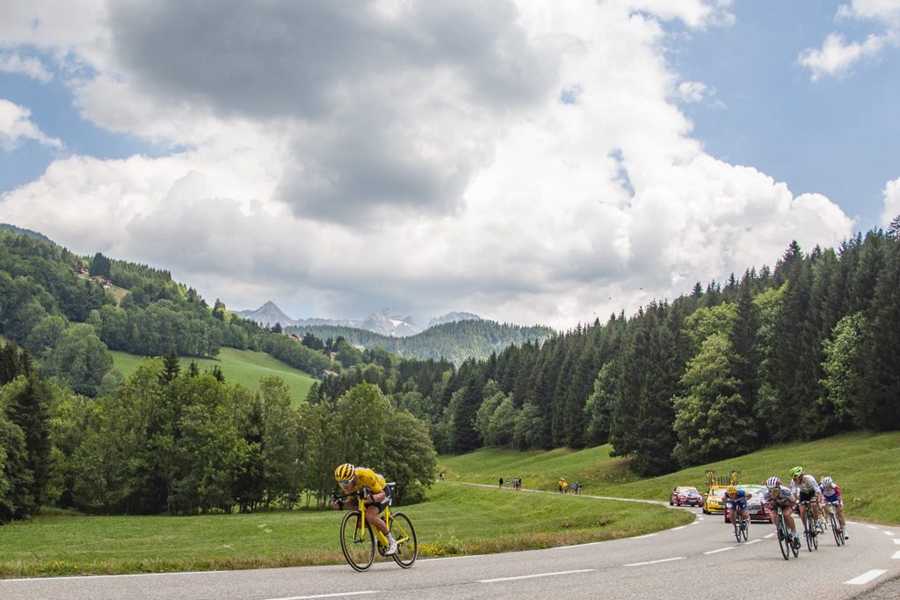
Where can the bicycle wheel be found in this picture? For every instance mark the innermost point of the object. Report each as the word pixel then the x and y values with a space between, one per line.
pixel 836 529
pixel 407 543
pixel 358 545
pixel 784 538
pixel 812 540
pixel 736 523
pixel 745 528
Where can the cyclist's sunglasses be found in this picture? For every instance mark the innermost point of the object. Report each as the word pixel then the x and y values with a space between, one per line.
pixel 345 481
pixel 774 489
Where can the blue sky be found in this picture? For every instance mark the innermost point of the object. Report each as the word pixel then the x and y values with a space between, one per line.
pixel 526 161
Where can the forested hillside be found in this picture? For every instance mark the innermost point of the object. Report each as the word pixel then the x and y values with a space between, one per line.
pixel 802 351
pixel 807 350
pixel 456 341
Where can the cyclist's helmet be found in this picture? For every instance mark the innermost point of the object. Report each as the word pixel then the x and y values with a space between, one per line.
pixel 344 472
pixel 827 481
pixel 773 482
pixel 731 490
pixel 795 472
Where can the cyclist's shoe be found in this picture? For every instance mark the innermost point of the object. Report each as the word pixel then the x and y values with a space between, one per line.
pixel 391 549
pixel 796 539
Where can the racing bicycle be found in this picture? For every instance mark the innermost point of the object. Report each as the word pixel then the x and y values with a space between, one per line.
pixel 358 537
pixel 836 528
pixel 809 528
pixel 785 541
pixel 741 525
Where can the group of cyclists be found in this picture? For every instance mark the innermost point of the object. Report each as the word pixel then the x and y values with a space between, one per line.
pixel 804 491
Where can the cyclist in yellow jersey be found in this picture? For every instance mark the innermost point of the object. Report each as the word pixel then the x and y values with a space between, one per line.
pixel 373 485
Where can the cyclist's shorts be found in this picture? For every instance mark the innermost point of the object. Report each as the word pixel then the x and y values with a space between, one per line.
pixel 388 492
pixel 738 503
pixel 833 498
pixel 807 496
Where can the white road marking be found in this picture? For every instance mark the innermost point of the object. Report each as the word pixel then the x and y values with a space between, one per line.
pixel 897 541
pixel 888 533
pixel 872 527
pixel 754 541
pixel 533 576
pixel 866 577
pixel 653 562
pixel 896 554
pixel 721 550
pixel 641 537
pixel 339 595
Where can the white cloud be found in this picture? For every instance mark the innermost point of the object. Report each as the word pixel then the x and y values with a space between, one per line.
pixel 16 125
pixel 419 155
pixel 837 57
pixel 891 202
pixel 27 65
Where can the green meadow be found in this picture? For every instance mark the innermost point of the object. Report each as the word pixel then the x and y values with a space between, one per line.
pixel 238 366
pixel 466 514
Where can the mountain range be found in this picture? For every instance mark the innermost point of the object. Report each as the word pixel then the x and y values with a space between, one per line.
pixel 385 322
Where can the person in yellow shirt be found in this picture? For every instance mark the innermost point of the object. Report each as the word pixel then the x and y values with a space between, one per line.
pixel 360 479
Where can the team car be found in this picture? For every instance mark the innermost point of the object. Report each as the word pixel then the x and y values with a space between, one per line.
pixel 685 495
pixel 755 505
pixel 715 501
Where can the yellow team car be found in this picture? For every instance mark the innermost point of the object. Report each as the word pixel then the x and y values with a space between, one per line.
pixel 715 500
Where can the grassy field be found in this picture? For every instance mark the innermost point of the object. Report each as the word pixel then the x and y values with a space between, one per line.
pixel 457 519
pixel 238 366
pixel 864 465
pixel 467 514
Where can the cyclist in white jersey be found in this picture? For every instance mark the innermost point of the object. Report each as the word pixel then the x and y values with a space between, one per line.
pixel 806 488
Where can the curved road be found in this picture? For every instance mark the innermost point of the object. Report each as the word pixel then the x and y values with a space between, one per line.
pixel 685 562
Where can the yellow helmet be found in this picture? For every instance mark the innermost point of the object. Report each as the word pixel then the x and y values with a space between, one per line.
pixel 344 472
pixel 731 490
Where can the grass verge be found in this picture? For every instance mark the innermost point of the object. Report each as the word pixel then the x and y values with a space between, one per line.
pixel 456 520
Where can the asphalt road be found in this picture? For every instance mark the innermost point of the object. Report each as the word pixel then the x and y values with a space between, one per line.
pixel 697 560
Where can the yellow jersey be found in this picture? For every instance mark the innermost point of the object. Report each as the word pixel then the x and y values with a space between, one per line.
pixel 368 478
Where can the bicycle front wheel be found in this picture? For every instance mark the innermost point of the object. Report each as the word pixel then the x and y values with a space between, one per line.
pixel 407 543
pixel 784 539
pixel 745 528
pixel 357 541
pixel 736 523
pixel 836 529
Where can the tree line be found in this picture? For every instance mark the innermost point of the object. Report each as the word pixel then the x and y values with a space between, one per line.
pixel 806 350
pixel 173 441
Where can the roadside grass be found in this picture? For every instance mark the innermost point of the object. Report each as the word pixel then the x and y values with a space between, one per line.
pixel 467 514
pixel 865 465
pixel 456 520
pixel 238 366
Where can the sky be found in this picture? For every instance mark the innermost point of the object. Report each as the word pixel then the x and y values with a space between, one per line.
pixel 531 162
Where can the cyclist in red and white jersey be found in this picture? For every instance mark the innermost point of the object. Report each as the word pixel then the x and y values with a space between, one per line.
pixel 832 493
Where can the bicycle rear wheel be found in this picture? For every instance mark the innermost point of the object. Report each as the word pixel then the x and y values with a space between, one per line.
pixel 745 528
pixel 358 545
pixel 407 543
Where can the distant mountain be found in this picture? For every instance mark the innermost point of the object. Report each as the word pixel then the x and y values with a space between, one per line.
pixel 267 315
pixel 385 322
pixel 453 317
pixel 28 232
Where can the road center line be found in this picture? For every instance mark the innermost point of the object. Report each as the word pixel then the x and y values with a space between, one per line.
pixel 721 550
pixel 896 554
pixel 339 595
pixel 866 577
pixel 888 533
pixel 653 562
pixel 536 575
